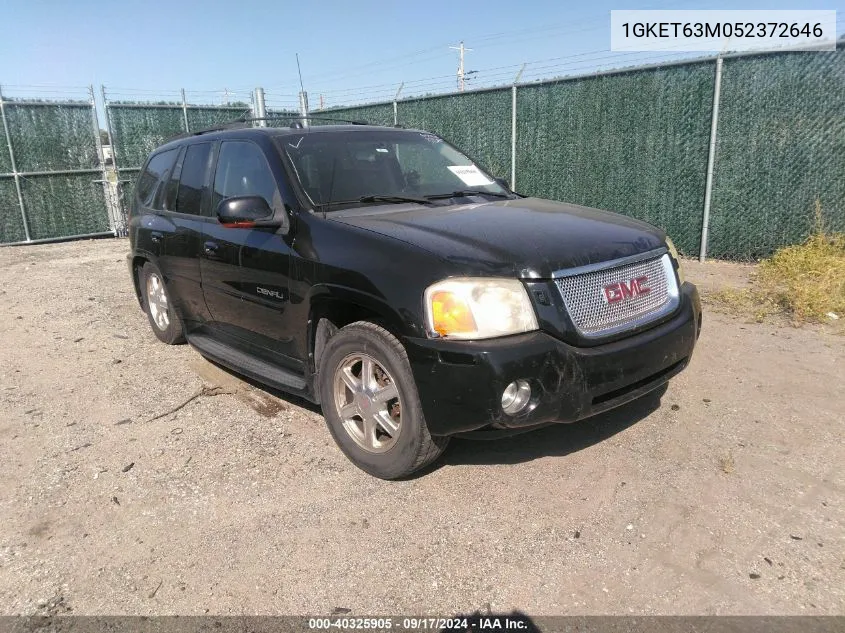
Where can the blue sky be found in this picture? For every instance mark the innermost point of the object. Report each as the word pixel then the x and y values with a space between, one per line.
pixel 349 51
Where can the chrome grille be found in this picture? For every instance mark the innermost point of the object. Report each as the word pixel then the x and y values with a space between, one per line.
pixel 592 297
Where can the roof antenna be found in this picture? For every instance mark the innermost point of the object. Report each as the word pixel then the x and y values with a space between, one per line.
pixel 303 96
pixel 299 70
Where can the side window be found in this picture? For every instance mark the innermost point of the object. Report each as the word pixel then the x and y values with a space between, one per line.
pixel 156 168
pixel 242 170
pixel 192 180
pixel 165 198
pixel 172 186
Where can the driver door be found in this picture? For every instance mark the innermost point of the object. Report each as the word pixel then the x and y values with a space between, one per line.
pixel 245 271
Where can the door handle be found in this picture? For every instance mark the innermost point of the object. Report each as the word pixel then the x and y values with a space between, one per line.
pixel 155 236
pixel 210 248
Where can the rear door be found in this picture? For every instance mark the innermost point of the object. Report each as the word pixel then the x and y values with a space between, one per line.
pixel 184 202
pixel 147 228
pixel 245 272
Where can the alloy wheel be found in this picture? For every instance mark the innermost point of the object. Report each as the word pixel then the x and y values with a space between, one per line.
pixel 368 403
pixel 157 301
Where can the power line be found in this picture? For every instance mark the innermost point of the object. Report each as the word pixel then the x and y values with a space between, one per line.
pixel 399 60
pixel 629 59
pixel 510 68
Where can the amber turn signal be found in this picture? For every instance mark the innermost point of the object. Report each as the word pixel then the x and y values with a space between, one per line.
pixel 450 314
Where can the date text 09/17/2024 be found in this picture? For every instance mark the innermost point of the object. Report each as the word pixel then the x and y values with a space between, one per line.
pixel 464 623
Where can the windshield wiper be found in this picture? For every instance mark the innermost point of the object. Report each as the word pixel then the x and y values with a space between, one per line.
pixel 467 192
pixel 393 199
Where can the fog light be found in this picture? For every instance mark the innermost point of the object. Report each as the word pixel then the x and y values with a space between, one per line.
pixel 515 396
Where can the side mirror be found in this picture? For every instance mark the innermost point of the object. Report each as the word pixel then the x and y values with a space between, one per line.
pixel 502 182
pixel 246 212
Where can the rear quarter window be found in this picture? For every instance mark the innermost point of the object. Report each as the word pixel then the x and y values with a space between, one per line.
pixel 151 176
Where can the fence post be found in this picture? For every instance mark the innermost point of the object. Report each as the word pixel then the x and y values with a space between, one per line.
pixel 14 169
pixel 185 113
pixel 711 160
pixel 118 187
pixel 513 128
pixel 396 104
pixel 260 107
pixel 113 219
pixel 303 107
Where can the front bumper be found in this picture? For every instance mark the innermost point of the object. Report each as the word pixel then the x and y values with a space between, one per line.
pixel 461 382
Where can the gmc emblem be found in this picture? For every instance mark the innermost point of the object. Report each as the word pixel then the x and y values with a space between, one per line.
pixel 621 291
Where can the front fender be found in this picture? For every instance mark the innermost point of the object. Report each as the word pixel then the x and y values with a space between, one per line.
pixel 328 297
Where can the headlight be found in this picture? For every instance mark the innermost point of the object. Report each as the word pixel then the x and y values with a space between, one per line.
pixel 474 308
pixel 674 253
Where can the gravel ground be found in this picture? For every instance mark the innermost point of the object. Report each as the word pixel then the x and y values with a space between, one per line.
pixel 725 497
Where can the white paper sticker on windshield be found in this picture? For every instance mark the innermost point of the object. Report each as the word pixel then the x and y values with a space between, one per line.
pixel 470 175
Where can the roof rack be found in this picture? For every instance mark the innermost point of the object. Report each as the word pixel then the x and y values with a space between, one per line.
pixel 311 118
pixel 241 122
pixel 234 124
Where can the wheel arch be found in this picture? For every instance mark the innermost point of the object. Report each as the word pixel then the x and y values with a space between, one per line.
pixel 332 308
pixel 139 259
pixel 138 262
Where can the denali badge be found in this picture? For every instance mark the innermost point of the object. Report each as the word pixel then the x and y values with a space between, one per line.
pixel 269 293
pixel 614 293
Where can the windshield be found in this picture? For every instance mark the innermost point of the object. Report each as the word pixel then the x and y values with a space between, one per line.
pixel 344 167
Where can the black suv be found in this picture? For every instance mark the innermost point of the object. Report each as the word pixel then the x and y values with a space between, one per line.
pixel 380 273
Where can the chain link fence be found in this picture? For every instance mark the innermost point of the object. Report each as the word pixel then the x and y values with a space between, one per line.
pixel 636 140
pixel 780 147
pixel 51 176
pixel 376 114
pixel 635 143
pixel 137 128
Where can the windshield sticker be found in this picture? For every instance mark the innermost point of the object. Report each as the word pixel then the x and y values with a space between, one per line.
pixel 470 175
pixel 431 138
pixel 297 143
pixel 382 149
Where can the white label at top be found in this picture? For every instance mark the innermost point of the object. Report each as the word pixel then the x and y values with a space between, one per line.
pixel 722 31
pixel 470 175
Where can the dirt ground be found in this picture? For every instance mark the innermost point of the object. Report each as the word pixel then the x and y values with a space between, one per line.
pixel 727 496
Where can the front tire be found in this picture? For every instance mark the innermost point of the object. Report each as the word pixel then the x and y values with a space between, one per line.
pixel 371 404
pixel 166 324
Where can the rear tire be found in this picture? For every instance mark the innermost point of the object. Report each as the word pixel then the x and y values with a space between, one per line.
pixel 371 405
pixel 166 324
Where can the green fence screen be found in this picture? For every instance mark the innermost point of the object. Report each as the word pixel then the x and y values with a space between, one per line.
pixel 11 224
pixel 282 118
pixel 5 160
pixel 136 131
pixel 52 137
pixel 138 128
pixel 57 138
pixel 635 143
pixel 64 205
pixel 376 114
pixel 780 146
pixel 200 118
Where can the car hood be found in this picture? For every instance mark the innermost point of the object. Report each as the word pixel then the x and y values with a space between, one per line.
pixel 529 237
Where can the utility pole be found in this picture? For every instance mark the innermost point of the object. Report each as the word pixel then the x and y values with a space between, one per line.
pixel 461 50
